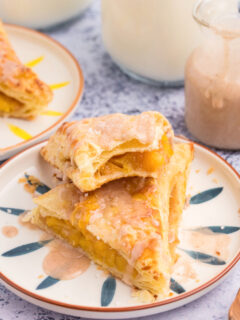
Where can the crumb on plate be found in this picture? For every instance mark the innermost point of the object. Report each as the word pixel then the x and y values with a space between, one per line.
pixel 143 296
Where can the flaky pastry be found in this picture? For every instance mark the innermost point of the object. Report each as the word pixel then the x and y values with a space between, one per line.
pixel 22 93
pixel 91 152
pixel 128 226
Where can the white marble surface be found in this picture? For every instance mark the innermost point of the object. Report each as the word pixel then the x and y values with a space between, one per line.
pixel 107 90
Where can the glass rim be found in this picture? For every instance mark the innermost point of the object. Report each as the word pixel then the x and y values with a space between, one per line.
pixel 205 23
pixel 196 17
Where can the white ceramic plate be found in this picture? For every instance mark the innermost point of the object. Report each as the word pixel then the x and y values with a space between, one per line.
pixel 206 254
pixel 56 66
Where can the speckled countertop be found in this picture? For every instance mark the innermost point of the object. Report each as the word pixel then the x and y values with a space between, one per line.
pixel 108 90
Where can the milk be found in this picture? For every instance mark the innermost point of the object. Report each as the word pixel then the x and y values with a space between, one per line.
pixel 40 13
pixel 151 38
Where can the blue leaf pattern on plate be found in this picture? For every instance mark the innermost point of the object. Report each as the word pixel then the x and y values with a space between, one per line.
pixel 26 248
pixel 217 229
pixel 13 211
pixel 206 195
pixel 41 187
pixel 47 282
pixel 205 258
pixel 108 291
pixel 176 287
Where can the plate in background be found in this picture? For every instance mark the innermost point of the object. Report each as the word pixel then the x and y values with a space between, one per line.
pixel 56 66
pixel 209 247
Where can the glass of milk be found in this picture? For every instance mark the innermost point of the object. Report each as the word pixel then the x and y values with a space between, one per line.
pixel 41 13
pixel 150 40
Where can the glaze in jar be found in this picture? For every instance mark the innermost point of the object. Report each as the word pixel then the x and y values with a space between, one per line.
pixel 212 76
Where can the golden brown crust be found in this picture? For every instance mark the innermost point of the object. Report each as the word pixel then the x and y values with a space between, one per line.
pixel 182 160
pixel 134 216
pixel 23 94
pixel 81 149
pixel 120 215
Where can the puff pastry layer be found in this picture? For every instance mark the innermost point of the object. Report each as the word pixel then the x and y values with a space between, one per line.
pixel 94 151
pixel 22 93
pixel 128 226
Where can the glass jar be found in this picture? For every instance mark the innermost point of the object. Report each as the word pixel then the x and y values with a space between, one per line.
pixel 41 14
pixel 212 76
pixel 150 39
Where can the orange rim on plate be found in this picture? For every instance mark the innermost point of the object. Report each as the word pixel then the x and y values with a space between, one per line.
pixel 78 96
pixel 134 308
